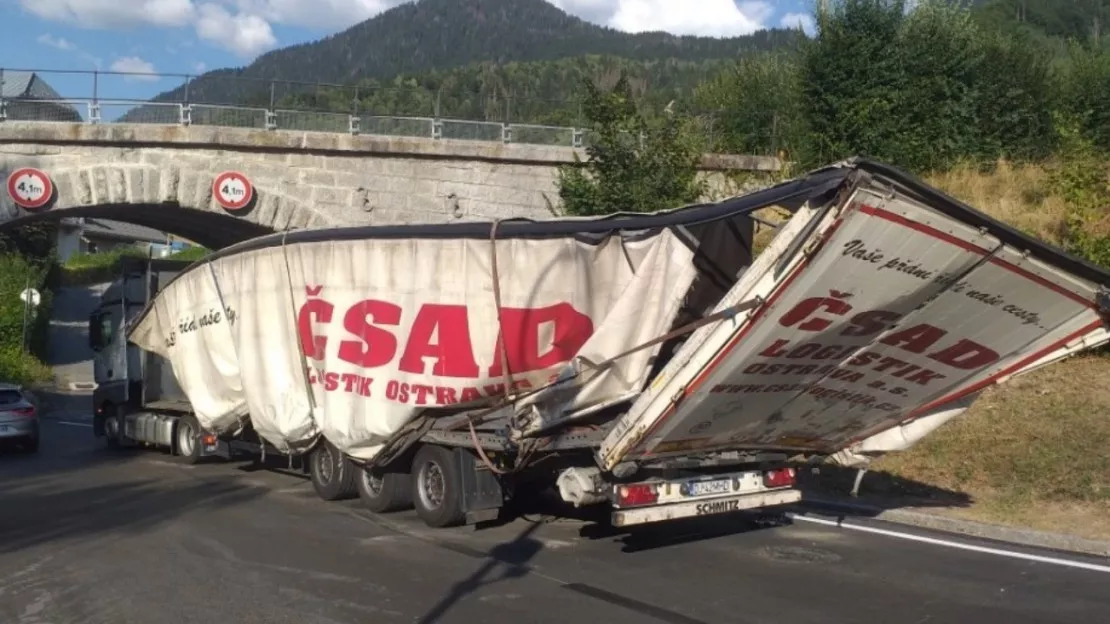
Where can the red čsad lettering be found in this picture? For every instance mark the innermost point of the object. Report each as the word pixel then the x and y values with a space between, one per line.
pixel 804 316
pixel 521 333
pixel 812 315
pixel 375 346
pixel 441 333
pixel 452 351
pixel 314 310
pixel 802 313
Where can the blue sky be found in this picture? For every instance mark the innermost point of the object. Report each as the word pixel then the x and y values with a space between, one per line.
pixel 192 36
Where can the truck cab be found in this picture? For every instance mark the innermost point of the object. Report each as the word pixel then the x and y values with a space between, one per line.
pixel 137 396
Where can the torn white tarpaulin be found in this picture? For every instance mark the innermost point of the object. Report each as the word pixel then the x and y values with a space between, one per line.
pixel 391 327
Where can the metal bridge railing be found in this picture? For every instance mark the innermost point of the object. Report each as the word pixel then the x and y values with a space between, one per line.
pixel 41 103
pixel 164 113
pixel 488 114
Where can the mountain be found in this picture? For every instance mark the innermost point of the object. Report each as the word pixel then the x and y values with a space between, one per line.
pixel 441 34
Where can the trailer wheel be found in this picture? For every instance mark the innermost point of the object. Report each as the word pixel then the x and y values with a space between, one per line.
pixel 333 475
pixel 186 439
pixel 437 487
pixel 384 493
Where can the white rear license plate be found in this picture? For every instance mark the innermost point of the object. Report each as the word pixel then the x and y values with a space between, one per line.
pixel 703 488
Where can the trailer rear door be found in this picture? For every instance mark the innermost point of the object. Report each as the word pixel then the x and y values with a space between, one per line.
pixel 891 309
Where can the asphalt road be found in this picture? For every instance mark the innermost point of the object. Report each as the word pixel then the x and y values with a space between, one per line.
pixel 91 536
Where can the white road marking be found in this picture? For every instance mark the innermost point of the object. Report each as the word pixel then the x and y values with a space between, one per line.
pixel 73 424
pixel 1094 567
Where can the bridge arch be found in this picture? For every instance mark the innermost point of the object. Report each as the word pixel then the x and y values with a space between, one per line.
pixel 168 198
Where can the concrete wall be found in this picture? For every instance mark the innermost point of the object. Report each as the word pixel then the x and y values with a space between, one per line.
pixel 69 243
pixel 302 179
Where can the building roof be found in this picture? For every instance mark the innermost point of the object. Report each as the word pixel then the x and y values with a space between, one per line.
pixel 104 228
pixel 26 85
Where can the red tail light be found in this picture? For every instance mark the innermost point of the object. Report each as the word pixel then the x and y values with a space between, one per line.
pixel 783 477
pixel 24 411
pixel 635 495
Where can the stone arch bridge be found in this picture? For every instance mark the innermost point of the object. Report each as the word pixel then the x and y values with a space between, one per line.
pixel 162 177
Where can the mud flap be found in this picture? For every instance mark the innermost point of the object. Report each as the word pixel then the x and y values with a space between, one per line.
pixel 482 495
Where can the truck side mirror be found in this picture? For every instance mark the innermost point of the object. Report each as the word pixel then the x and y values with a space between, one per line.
pixel 96 337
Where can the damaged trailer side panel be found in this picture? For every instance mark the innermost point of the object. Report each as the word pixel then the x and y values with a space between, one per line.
pixel 350 334
pixel 889 320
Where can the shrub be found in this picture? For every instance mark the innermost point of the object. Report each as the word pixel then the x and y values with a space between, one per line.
pixel 634 165
pixel 20 367
pixel 192 253
pixel 1081 178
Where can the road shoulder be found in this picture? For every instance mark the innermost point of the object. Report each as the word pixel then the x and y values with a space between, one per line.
pixel 936 522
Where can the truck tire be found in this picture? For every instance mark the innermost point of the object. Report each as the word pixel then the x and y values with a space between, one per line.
pixel 332 474
pixel 113 427
pixel 186 439
pixel 384 493
pixel 437 487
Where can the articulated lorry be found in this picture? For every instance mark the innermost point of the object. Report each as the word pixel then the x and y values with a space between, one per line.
pixel 137 399
pixel 649 362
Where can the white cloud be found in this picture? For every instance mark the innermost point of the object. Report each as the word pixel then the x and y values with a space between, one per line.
pixel 718 18
pixel 134 65
pixel 330 15
pixel 168 12
pixel 113 14
pixel 794 20
pixel 47 39
pixel 596 11
pixel 93 60
pixel 245 34
pixel 66 45
pixel 199 67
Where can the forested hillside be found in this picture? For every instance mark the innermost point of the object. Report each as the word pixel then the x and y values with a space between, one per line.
pixel 545 92
pixel 442 34
pixel 1058 19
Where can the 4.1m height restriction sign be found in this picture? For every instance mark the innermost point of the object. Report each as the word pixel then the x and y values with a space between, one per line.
pixel 30 188
pixel 232 190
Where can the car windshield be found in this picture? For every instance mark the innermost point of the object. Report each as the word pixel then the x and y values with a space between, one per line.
pixel 10 397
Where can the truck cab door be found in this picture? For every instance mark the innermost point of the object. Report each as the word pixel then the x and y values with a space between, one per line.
pixel 107 345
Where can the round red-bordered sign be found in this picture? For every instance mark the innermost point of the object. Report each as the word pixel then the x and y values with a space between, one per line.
pixel 30 188
pixel 232 190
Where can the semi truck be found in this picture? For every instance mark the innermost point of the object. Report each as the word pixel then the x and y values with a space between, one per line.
pixel 652 363
pixel 137 400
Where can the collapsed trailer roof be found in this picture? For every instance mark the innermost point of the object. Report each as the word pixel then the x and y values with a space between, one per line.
pixel 788 195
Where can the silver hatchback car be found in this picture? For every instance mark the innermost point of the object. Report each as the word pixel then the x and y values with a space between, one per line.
pixel 19 420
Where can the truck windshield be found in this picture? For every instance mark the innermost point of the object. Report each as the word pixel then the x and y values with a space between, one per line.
pixel 101 335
